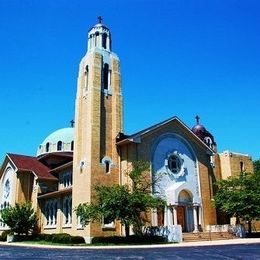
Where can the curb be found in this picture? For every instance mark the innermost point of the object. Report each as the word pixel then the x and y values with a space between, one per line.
pixel 242 241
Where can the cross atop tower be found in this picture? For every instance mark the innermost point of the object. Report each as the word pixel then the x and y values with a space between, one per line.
pixel 100 19
pixel 197 119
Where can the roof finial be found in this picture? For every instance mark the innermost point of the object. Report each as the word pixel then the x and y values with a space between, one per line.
pixel 197 119
pixel 100 19
pixel 72 122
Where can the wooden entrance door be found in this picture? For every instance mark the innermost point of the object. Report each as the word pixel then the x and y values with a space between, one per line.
pixel 181 217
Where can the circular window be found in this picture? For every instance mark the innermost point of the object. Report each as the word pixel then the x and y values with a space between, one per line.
pixel 174 163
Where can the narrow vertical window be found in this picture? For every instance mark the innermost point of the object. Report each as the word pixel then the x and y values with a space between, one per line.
pixel 105 75
pixel 109 78
pixel 90 42
pixel 70 211
pixel 59 146
pixel 55 209
pixel 67 211
pixel 86 78
pixel 107 166
pixel 241 166
pixel 47 214
pixel 51 214
pixel 47 148
pixel 104 40
pixel 96 38
pixel 72 146
pixel 70 176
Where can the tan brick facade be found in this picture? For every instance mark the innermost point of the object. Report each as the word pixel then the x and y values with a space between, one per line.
pixel 97 123
pixel 232 164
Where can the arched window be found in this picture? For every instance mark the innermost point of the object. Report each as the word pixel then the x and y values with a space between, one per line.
pixel 96 38
pixel 70 178
pixel 51 214
pixel 47 147
pixel 59 146
pixel 67 210
pixel 72 146
pixel 104 40
pixel 55 209
pixel 105 75
pixel 47 213
pixel 51 209
pixel 242 167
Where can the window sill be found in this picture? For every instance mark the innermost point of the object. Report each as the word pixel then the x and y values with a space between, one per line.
pixel 4 228
pixel 108 228
pixel 50 227
pixel 80 228
pixel 67 226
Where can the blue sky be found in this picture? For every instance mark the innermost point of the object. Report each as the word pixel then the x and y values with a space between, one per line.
pixel 177 57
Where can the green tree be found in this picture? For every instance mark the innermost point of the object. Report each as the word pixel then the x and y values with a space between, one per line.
pixel 125 203
pixel 256 164
pixel 20 218
pixel 239 196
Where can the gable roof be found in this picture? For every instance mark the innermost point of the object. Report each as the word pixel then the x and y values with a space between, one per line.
pixel 25 163
pixel 136 138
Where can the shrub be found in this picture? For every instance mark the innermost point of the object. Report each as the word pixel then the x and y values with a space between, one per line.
pixel 129 240
pixel 45 237
pixel 77 240
pixel 62 238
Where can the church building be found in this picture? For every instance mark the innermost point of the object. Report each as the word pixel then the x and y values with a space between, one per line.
pixel 71 161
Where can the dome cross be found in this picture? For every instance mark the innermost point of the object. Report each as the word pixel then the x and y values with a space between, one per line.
pixel 72 122
pixel 100 19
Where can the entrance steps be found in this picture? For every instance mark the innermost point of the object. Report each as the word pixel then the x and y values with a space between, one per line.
pixel 206 236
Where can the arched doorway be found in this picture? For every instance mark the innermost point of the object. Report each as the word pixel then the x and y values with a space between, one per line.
pixel 185 211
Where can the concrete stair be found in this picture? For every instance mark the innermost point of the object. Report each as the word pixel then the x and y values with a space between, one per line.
pixel 206 236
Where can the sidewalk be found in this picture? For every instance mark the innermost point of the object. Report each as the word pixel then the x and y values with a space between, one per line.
pixel 241 241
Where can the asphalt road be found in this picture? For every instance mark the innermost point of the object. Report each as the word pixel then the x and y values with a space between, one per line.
pixel 245 251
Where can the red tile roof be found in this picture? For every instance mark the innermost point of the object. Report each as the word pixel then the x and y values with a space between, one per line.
pixel 30 163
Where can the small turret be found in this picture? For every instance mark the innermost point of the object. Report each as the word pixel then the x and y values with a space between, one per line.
pixel 99 37
pixel 204 135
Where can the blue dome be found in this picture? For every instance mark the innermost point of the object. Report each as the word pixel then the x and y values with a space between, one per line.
pixel 58 141
pixel 65 135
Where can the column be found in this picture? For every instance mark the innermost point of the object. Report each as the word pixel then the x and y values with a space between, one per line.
pixel 175 220
pixel 200 216
pixel 169 211
pixel 108 42
pixel 166 222
pixel 154 217
pixel 195 219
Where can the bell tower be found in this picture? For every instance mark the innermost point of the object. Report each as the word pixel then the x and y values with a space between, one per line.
pixel 98 120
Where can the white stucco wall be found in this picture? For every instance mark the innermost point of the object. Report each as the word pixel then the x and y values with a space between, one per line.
pixel 170 185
